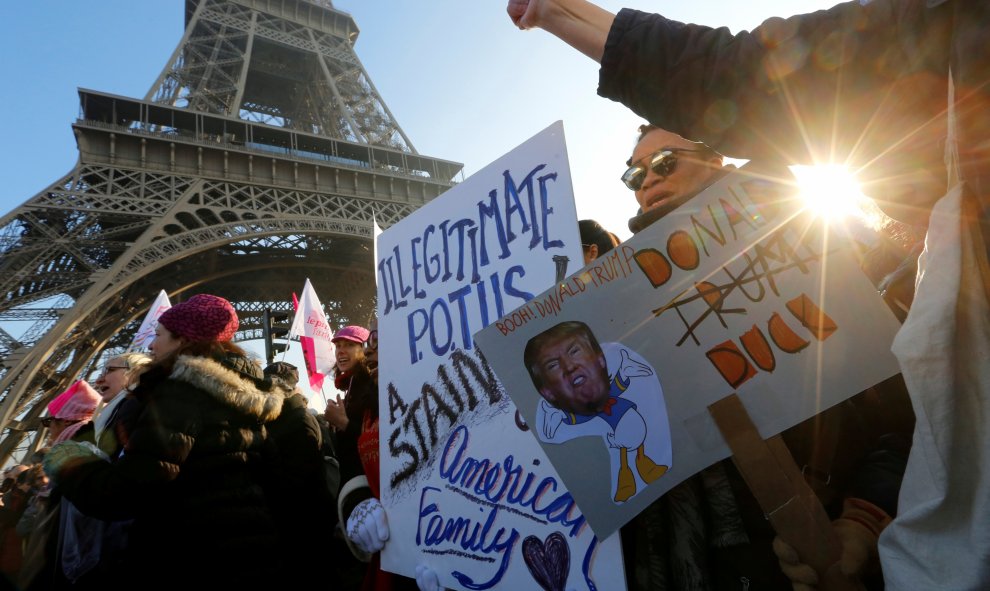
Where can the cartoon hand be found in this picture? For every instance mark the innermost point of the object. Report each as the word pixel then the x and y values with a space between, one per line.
pixel 552 419
pixel 629 368
pixel 610 439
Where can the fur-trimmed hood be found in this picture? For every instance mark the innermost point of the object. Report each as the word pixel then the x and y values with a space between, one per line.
pixel 236 389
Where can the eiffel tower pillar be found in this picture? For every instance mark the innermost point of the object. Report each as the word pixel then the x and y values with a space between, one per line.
pixel 258 158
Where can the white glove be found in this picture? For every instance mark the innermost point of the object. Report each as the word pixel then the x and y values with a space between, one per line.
pixel 367 526
pixel 427 579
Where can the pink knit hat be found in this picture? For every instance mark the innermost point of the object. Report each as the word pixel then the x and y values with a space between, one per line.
pixel 202 317
pixel 78 403
pixel 358 334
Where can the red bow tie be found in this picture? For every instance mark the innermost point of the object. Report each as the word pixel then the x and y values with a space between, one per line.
pixel 608 405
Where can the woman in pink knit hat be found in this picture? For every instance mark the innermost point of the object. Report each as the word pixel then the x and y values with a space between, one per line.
pixel 71 414
pixel 70 419
pixel 191 474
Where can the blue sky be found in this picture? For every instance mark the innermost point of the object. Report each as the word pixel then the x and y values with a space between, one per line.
pixel 462 81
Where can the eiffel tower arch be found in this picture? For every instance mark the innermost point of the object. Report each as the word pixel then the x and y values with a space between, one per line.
pixel 259 157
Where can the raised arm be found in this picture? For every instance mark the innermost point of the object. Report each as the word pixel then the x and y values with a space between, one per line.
pixel 579 23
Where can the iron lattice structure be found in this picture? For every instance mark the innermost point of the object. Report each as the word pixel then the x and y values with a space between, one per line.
pixel 259 158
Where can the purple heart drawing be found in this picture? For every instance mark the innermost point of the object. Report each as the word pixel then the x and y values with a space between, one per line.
pixel 548 562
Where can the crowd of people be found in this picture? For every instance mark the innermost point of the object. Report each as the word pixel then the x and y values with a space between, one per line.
pixel 201 467
pixel 196 465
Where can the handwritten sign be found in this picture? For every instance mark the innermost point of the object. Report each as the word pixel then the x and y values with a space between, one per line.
pixel 736 291
pixel 466 490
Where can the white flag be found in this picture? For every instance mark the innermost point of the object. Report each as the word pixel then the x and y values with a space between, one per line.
pixel 146 333
pixel 310 325
pixel 376 231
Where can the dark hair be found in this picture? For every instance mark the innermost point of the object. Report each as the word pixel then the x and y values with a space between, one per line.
pixel 553 334
pixel 593 233
pixel 38 455
pixel 286 373
pixel 32 476
pixel 362 393
pixel 646 128
pixel 360 365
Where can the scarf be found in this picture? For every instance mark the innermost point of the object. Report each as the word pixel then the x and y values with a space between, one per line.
pixel 343 380
pixel 69 432
pixel 108 413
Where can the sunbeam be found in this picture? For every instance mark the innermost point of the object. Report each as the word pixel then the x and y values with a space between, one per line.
pixel 829 190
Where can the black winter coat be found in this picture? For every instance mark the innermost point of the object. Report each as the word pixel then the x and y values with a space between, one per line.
pixel 190 478
pixel 299 495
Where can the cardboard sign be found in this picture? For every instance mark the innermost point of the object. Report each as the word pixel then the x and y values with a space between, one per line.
pixel 467 491
pixel 735 291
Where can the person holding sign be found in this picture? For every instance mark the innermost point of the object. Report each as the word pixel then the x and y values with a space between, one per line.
pixel 665 171
pixel 675 539
pixel 568 368
pixel 356 420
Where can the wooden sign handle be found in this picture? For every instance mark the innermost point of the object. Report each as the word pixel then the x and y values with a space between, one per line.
pixel 788 502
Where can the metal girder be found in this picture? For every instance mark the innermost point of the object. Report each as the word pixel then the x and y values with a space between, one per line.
pixel 181 192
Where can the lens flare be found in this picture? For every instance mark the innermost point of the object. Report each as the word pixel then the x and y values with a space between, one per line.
pixel 829 190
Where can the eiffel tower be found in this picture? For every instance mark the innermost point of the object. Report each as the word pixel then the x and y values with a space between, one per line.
pixel 259 158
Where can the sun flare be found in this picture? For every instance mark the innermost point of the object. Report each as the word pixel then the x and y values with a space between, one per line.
pixel 829 191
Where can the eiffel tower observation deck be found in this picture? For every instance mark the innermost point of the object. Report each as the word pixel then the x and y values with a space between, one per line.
pixel 259 157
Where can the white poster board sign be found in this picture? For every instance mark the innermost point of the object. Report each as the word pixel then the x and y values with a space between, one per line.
pixel 466 490
pixel 735 291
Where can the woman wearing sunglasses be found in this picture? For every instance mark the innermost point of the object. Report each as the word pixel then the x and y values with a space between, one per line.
pixel 666 170
pixel 71 413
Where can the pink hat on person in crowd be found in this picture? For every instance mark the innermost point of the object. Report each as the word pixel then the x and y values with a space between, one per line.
pixel 202 317
pixel 82 405
pixel 79 402
pixel 357 334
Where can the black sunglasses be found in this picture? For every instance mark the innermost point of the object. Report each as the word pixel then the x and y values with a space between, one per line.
pixel 663 163
pixel 47 421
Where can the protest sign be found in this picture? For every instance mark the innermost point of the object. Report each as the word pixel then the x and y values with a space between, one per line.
pixel 466 490
pixel 735 291
pixel 146 332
